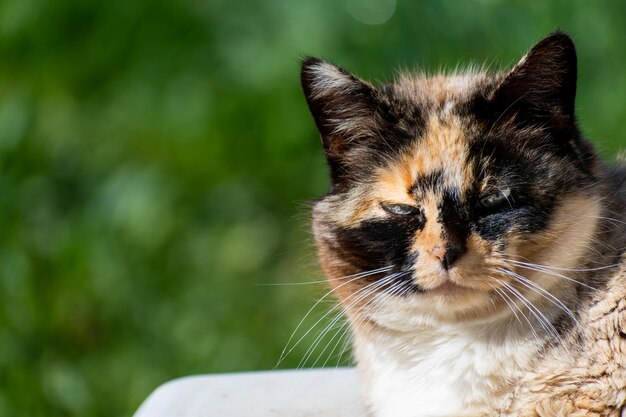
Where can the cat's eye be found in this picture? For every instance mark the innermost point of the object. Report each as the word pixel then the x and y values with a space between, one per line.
pixel 496 200
pixel 400 209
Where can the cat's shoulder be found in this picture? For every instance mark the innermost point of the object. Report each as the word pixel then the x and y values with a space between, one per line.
pixel 609 303
pixel 586 373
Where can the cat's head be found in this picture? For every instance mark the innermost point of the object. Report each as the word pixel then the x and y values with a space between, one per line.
pixel 442 187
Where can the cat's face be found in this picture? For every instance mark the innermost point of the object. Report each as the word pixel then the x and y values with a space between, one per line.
pixel 444 187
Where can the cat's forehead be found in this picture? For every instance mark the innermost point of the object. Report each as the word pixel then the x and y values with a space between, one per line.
pixel 437 160
pixel 444 91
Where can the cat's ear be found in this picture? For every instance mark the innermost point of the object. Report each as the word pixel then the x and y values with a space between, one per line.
pixel 343 106
pixel 543 84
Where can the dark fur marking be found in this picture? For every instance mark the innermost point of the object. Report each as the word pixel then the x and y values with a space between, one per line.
pixel 393 123
pixel 377 243
pixel 427 182
pixel 453 217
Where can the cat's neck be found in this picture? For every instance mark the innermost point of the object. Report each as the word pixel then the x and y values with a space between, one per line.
pixel 449 367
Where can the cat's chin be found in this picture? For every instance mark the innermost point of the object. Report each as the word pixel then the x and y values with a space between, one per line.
pixel 451 301
pixel 449 292
pixel 452 293
pixel 448 303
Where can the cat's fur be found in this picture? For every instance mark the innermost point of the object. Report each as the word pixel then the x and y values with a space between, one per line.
pixel 494 233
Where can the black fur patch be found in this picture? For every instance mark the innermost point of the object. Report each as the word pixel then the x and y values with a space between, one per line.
pixel 535 189
pixel 377 243
pixel 432 181
pixel 454 219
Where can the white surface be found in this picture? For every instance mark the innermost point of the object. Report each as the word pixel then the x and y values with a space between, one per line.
pixel 310 393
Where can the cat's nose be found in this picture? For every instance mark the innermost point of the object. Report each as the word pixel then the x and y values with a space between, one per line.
pixel 448 255
pixel 453 253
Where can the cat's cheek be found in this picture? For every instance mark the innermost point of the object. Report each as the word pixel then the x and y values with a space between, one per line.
pixel 564 237
pixel 494 228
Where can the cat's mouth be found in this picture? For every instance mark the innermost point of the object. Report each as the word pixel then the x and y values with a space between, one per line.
pixel 449 288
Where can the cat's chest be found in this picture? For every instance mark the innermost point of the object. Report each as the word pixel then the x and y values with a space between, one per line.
pixel 438 376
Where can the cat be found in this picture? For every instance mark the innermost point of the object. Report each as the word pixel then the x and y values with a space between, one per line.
pixel 474 239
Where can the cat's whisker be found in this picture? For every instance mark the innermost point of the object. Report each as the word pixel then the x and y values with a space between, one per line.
pixel 515 295
pixel 348 342
pixel 345 327
pixel 499 292
pixel 552 330
pixel 353 298
pixel 383 298
pixel 514 304
pixel 595 244
pixel 353 278
pixel 541 291
pixel 541 318
pixel 338 317
pixel 393 290
pixel 599 268
pixel 611 219
pixel 325 281
pixel 356 297
pixel 546 270
pixel 341 332
pixel 319 338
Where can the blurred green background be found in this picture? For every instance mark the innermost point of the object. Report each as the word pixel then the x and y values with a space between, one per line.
pixel 157 157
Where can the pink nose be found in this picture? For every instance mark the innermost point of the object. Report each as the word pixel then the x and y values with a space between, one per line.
pixel 447 255
pixel 438 252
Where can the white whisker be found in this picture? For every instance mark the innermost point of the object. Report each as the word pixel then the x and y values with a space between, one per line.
pixel 599 268
pixel 353 278
pixel 356 297
pixel 541 291
pixel 505 286
pixel 541 318
pixel 393 290
pixel 545 270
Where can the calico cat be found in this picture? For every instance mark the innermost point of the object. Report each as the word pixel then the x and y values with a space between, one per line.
pixel 475 240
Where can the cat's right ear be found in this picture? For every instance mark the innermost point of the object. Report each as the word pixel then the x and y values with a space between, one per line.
pixel 542 86
pixel 342 105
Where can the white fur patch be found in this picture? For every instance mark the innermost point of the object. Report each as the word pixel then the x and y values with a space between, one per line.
pixel 440 372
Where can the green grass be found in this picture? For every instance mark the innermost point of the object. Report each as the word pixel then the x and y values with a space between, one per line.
pixel 156 160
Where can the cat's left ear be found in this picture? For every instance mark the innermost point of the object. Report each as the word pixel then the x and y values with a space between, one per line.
pixel 349 114
pixel 342 104
pixel 543 84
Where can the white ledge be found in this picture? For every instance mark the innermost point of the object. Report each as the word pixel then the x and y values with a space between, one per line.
pixel 308 393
